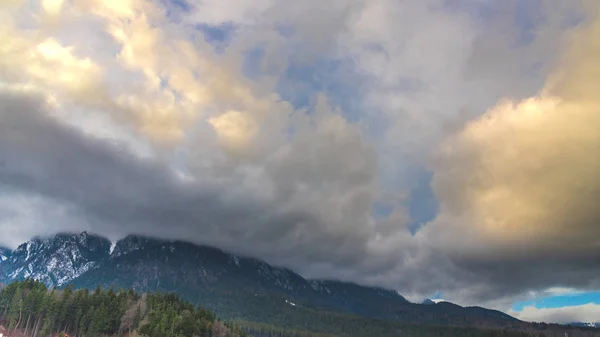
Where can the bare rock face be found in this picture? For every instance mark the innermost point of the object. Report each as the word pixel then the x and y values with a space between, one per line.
pixel 56 260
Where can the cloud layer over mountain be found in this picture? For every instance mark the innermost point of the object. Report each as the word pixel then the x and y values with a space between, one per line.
pixel 296 133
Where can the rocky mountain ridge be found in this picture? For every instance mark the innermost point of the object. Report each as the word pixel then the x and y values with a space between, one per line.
pixel 231 285
pixel 585 325
pixel 55 261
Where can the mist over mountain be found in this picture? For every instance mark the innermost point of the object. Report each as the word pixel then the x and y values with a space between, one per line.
pixel 222 281
pixel 240 288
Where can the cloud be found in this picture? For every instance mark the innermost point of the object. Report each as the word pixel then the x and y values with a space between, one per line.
pixel 586 313
pixel 129 121
pixel 285 207
pixel 561 291
pixel 28 211
pixel 520 183
pixel 52 7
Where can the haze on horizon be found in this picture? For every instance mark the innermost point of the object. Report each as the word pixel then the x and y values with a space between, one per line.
pixel 436 147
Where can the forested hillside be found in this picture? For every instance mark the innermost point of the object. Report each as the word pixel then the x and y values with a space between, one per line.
pixel 234 287
pixel 241 289
pixel 29 308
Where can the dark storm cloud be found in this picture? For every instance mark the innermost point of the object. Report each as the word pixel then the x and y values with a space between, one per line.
pixel 120 193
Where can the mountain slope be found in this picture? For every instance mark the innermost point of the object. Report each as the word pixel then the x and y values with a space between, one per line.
pixel 585 325
pixel 103 312
pixel 55 261
pixel 209 275
pixel 233 286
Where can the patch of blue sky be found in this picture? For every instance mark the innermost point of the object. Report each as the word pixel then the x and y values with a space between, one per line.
pixel 422 203
pixel 480 11
pixel 529 19
pixel 305 78
pixel 302 82
pixel 381 210
pixel 436 296
pixel 253 57
pixel 528 16
pixel 219 36
pixel 560 301
pixel 176 9
pixel 178 4
pixel 164 85
pixel 285 30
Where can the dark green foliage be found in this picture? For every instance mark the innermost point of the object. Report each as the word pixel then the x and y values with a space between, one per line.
pixel 44 312
pixel 234 287
pixel 28 306
pixel 167 315
pixel 332 324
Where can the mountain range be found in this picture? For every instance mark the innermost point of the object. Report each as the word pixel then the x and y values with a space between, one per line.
pixel 585 325
pixel 235 287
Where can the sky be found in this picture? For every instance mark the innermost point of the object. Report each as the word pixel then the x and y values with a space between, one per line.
pixel 442 148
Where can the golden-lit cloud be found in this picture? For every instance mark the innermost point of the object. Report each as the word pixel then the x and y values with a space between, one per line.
pixel 235 129
pixel 112 10
pixel 59 66
pixel 183 79
pixel 46 63
pixel 180 80
pixel 52 7
pixel 10 2
pixel 526 173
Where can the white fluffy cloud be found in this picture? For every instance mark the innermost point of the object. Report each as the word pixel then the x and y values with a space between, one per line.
pixel 586 313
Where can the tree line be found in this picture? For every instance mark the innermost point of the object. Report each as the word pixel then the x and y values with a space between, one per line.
pixel 31 309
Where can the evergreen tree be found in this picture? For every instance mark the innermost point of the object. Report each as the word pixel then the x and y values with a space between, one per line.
pixel 29 307
pixel 15 308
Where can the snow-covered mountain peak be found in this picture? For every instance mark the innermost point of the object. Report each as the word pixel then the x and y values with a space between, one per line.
pixel 585 324
pixel 55 260
pixel 207 273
